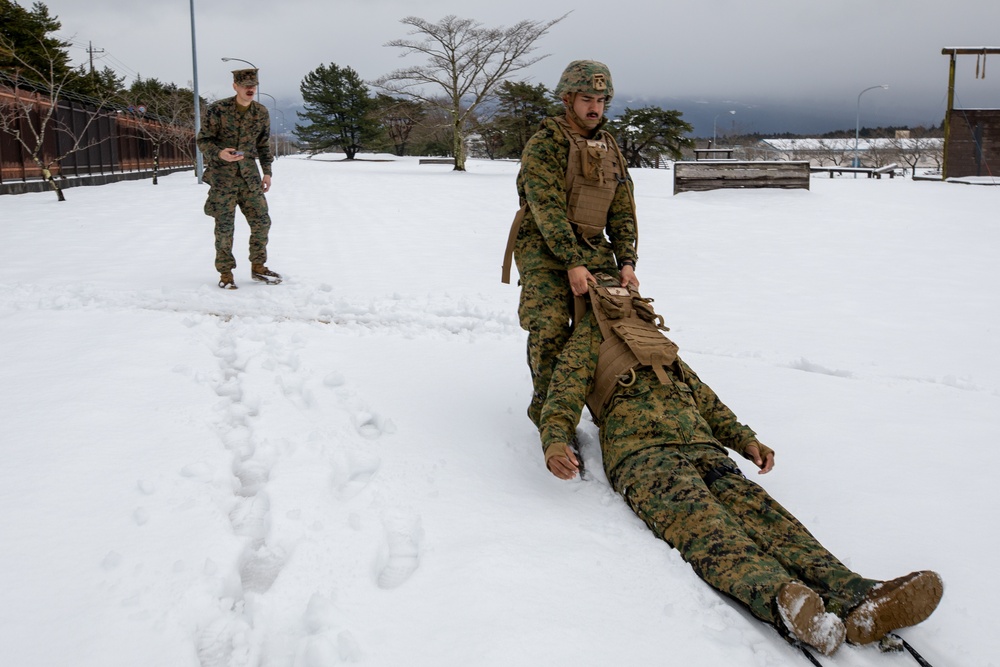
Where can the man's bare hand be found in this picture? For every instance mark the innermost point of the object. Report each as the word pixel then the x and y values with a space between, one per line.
pixel 765 463
pixel 580 279
pixel 628 277
pixel 230 155
pixel 564 466
pixel 266 183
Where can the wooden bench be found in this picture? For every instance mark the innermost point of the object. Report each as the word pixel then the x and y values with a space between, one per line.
pixel 870 172
pixel 713 154
pixel 714 175
pixel 435 160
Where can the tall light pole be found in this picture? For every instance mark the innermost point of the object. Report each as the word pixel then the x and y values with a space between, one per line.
pixel 198 160
pixel 732 111
pixel 857 125
pixel 276 110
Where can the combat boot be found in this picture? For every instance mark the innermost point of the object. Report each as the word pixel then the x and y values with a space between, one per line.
pixel 264 274
pixel 804 614
pixel 226 280
pixel 894 604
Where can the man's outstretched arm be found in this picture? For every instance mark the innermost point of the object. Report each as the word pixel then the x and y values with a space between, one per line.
pixel 568 390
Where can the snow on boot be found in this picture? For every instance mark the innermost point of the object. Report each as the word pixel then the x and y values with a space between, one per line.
pixel 226 280
pixel 264 274
pixel 804 614
pixel 895 604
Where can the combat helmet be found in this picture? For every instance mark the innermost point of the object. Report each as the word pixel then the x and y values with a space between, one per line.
pixel 586 76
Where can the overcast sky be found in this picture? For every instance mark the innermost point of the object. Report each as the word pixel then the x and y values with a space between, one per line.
pixel 794 63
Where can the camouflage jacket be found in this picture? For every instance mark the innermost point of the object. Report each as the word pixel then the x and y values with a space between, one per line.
pixel 250 132
pixel 645 414
pixel 546 239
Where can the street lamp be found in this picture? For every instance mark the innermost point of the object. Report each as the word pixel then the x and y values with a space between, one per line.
pixel 857 125
pixel 198 159
pixel 276 110
pixel 732 111
pixel 226 60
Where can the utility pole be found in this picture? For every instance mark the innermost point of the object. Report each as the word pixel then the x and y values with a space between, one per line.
pixel 91 51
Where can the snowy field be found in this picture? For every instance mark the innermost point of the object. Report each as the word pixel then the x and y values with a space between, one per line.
pixel 339 469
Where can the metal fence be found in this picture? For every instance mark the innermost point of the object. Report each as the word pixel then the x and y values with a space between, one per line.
pixel 116 142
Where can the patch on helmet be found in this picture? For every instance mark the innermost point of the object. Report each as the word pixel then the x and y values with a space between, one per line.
pixel 600 83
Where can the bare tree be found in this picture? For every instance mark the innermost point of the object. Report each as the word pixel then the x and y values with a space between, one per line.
pixel 398 117
pixel 36 114
pixel 918 148
pixel 466 61
pixel 165 117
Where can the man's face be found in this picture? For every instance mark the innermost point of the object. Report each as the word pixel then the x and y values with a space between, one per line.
pixel 589 109
pixel 244 94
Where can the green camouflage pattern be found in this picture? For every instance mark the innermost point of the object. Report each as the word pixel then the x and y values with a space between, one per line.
pixel 734 535
pixel 588 77
pixel 659 441
pixel 547 246
pixel 645 414
pixel 546 239
pixel 544 312
pixel 237 183
pixel 245 77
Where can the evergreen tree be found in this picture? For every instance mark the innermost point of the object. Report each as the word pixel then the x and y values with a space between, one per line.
pixel 26 34
pixel 645 134
pixel 101 85
pixel 521 108
pixel 339 111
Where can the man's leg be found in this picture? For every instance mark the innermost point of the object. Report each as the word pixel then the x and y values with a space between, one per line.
pixel 221 205
pixel 224 227
pixel 544 312
pixel 667 492
pixel 254 208
pixel 778 533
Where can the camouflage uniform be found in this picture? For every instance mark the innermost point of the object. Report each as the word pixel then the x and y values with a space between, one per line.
pixel 664 449
pixel 547 246
pixel 237 183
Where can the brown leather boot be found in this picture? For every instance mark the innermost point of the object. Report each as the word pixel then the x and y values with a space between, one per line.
pixel 226 280
pixel 895 604
pixel 804 614
pixel 264 274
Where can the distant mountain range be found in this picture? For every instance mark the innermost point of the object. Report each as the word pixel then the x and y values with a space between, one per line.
pixel 804 117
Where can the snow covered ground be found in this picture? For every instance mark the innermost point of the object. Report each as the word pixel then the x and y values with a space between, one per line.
pixel 339 469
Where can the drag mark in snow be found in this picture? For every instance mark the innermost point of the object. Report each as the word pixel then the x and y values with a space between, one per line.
pixel 803 364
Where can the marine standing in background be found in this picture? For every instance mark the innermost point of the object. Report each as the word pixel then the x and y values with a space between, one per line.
pixel 236 132
pixel 577 217
pixel 664 435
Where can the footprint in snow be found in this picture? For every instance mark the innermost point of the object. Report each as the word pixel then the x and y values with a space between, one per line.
pixel 225 642
pixel 351 472
pixel 371 425
pixel 250 517
pixel 261 567
pixel 402 555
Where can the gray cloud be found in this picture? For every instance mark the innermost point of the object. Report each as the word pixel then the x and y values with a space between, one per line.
pixel 785 59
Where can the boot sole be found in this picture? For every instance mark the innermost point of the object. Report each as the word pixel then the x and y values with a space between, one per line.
pixel 912 602
pixel 805 616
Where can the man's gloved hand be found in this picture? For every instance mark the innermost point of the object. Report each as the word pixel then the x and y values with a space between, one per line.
pixel 761 455
pixel 561 461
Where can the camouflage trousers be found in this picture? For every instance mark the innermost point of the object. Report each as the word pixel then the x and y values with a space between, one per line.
pixel 737 538
pixel 544 311
pixel 221 205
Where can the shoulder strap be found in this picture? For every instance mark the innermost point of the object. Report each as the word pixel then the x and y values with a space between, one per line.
pixel 508 252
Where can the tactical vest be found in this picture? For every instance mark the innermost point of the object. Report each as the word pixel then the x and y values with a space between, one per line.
pixel 632 339
pixel 594 170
